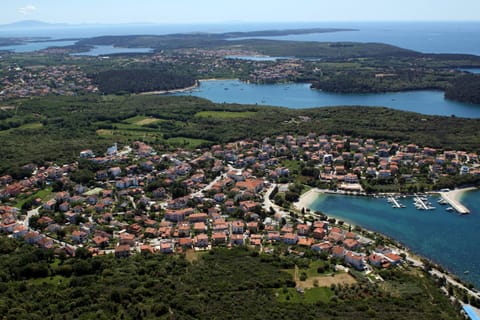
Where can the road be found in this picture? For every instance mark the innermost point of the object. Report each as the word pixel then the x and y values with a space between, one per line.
pixel 267 203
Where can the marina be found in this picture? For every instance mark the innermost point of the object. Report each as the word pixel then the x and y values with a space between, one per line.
pixel 395 203
pixel 432 235
pixel 422 203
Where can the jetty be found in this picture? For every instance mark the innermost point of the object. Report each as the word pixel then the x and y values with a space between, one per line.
pixel 455 204
pixel 422 204
pixel 395 203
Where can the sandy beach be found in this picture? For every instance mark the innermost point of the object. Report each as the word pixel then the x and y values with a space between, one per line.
pixel 454 197
pixel 307 198
pixel 170 91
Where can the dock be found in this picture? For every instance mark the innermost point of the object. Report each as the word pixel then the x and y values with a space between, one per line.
pixel 395 203
pixel 460 208
pixel 420 204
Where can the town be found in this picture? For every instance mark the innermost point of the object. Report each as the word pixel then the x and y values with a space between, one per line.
pixel 239 194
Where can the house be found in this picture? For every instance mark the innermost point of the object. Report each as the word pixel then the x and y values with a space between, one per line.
pixel 393 258
pixel 256 240
pixel 50 204
pixel 127 239
pixel 198 217
pixel 146 248
pixel 273 236
pixel 122 251
pixel 100 241
pixel 201 240
pixel 338 252
pixel 199 227
pixel 351 244
pixel 236 239
pixel 79 236
pixel 185 242
pixel 19 231
pixel 219 238
pixel 252 226
pixel 166 247
pixel 183 230
pixel 322 247
pixel 376 260
pixel 290 238
pixel 178 215
pixel 355 260
pixel 238 226
pixel 319 233
pixel 303 229
pixel 305 241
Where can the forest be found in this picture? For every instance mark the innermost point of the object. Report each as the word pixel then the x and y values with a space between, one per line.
pixel 139 80
pixel 465 89
pixel 235 283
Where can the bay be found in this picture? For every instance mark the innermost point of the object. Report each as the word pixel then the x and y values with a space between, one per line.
pixel 296 96
pixel 38 45
pixel 105 50
pixel 441 236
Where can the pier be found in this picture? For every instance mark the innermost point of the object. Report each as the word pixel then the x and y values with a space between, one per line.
pixel 395 203
pixel 460 208
pixel 420 204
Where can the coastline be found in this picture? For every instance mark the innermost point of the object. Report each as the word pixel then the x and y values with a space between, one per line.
pixel 307 199
pixel 160 92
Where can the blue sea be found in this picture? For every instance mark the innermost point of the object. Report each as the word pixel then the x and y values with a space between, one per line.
pixel 441 236
pixel 429 37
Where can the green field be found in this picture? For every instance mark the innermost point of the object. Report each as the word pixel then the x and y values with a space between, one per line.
pixel 224 114
pixel 142 120
pixel 313 295
pixel 186 142
pixel 42 194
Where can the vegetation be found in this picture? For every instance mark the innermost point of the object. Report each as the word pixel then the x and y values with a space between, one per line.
pixel 465 89
pixel 222 284
pixel 136 81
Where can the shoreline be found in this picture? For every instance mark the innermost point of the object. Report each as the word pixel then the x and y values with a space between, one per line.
pixel 453 197
pixel 160 92
pixel 307 199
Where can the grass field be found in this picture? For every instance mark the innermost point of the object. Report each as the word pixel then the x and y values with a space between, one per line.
pixel 313 295
pixel 42 194
pixel 142 120
pixel 224 114
pixel 186 142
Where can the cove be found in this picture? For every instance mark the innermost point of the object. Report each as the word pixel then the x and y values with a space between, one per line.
pixel 300 95
pixel 104 50
pixel 444 237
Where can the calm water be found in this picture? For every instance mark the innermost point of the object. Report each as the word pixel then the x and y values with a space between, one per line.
pixel 104 50
pixel 471 70
pixel 428 37
pixel 444 237
pixel 302 96
pixel 434 37
pixel 35 46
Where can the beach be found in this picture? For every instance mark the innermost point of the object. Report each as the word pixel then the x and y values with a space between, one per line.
pixel 170 91
pixel 308 198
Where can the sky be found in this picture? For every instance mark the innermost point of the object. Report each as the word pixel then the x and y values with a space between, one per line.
pixel 213 11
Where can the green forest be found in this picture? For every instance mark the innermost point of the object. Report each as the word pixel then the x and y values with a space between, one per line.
pixel 139 80
pixel 465 89
pixel 220 284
